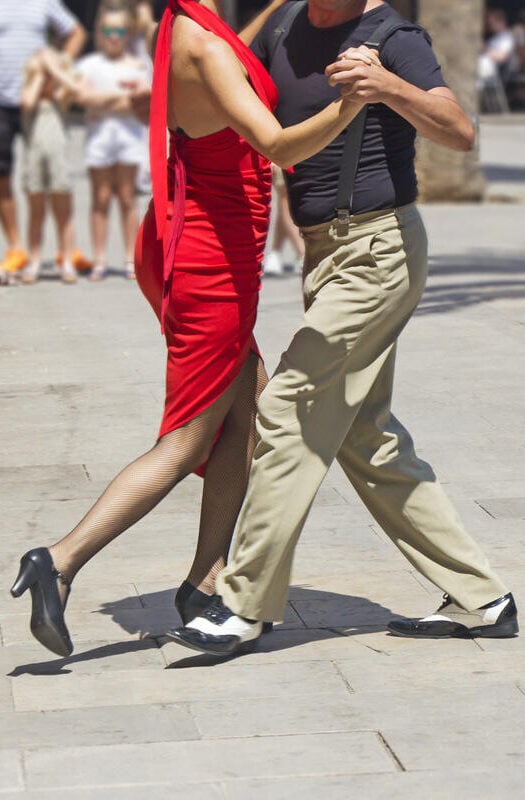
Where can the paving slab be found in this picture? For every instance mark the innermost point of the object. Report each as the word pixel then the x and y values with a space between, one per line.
pixel 467 785
pixel 266 756
pixel 11 770
pixel 143 687
pixel 97 726
pixel 152 791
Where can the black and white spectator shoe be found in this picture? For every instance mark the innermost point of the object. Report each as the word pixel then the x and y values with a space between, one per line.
pixel 498 619
pixel 218 631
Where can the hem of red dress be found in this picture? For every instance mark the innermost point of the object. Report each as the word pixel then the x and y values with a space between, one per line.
pixel 228 382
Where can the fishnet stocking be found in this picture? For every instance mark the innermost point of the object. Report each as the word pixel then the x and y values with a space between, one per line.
pixel 226 478
pixel 142 485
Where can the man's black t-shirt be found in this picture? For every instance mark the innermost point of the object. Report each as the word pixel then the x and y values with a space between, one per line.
pixel 386 176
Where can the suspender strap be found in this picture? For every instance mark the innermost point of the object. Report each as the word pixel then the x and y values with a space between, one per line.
pixel 349 162
pixel 355 131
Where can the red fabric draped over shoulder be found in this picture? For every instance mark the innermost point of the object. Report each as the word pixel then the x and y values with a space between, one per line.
pixel 262 84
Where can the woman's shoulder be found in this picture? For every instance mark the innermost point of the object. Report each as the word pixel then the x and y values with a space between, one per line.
pixel 191 40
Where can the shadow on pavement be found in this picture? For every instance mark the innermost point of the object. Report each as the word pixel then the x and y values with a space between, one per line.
pixel 322 615
pixel 504 173
pixel 487 279
pixel 58 666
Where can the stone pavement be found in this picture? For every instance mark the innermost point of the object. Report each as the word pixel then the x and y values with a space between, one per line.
pixel 330 705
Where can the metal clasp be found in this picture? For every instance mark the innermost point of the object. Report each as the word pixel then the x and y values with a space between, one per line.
pixel 343 215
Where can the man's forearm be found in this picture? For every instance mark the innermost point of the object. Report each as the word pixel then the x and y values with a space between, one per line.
pixel 435 114
pixel 250 31
pixel 73 44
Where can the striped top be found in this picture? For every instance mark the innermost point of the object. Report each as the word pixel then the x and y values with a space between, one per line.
pixel 24 28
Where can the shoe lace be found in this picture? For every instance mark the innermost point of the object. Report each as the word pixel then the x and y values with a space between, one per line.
pixel 445 602
pixel 217 612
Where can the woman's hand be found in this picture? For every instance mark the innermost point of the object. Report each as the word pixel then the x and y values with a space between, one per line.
pixel 361 75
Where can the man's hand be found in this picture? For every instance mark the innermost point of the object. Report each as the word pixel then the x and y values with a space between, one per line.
pixel 361 76
pixel 435 113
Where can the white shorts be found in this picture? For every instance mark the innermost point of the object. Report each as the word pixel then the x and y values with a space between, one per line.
pixel 114 140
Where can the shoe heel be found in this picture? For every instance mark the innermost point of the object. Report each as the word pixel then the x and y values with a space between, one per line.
pixel 267 627
pixel 27 576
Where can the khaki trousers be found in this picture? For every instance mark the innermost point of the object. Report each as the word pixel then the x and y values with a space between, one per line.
pixel 330 398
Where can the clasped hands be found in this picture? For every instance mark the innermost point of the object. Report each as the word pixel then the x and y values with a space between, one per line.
pixel 360 74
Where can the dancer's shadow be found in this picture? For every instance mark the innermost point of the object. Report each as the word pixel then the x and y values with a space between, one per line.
pixel 59 666
pixel 312 615
pixel 317 615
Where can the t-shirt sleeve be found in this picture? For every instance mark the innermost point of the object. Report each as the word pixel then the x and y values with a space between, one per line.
pixel 261 45
pixel 410 55
pixel 60 19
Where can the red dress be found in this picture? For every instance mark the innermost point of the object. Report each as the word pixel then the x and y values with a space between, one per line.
pixel 198 255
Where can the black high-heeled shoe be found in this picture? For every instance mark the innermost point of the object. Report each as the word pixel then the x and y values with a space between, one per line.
pixel 38 573
pixel 191 602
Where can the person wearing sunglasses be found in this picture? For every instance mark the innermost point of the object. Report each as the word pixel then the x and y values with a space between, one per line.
pixel 114 144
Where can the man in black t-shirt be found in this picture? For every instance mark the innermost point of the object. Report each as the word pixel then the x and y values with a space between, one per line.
pixel 364 274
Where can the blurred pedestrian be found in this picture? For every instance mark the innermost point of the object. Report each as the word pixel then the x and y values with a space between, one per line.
pixel 46 164
pixel 519 39
pixel 499 58
pixel 24 28
pixel 284 230
pixel 114 144
pixel 141 46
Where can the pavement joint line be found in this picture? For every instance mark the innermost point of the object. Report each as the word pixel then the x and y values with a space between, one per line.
pixel 88 476
pixel 391 752
pixel 297 612
pixel 343 677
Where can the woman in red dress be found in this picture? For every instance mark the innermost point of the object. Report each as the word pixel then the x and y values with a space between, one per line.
pixel 198 260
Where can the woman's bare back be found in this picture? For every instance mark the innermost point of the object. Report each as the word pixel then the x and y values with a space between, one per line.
pixel 190 103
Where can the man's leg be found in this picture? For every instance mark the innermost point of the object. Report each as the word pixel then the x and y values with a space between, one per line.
pixel 362 284
pixel 15 258
pixel 404 496
pixel 8 213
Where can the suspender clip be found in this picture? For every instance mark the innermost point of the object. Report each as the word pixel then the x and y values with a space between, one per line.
pixel 343 215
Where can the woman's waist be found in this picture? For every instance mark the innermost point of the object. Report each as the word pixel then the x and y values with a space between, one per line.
pixel 219 153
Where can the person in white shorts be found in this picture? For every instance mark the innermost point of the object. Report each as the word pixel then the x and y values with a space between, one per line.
pixel 114 146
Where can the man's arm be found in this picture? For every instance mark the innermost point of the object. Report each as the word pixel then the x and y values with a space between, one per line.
pixel 435 114
pixel 73 43
pixel 250 31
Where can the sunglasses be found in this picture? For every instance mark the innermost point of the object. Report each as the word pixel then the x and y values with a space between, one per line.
pixel 106 30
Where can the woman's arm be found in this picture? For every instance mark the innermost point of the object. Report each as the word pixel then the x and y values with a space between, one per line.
pixel 250 31
pixel 238 107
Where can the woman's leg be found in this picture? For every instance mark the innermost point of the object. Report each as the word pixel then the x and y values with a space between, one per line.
pixel 141 485
pixel 102 180
pixel 226 477
pixel 37 212
pixel 35 225
pixel 62 206
pixel 125 187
